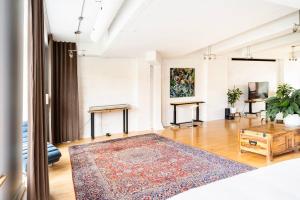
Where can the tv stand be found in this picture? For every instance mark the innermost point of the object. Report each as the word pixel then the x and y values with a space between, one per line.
pixel 250 102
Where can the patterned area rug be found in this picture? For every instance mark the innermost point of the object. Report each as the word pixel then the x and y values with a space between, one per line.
pixel 144 167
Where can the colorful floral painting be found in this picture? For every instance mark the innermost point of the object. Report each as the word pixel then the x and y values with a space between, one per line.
pixel 182 82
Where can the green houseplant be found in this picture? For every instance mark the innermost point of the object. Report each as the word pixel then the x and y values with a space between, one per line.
pixel 233 96
pixel 287 102
pixel 284 90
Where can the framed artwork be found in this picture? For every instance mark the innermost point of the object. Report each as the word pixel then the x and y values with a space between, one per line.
pixel 182 82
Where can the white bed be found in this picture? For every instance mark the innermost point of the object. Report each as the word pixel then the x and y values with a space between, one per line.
pixel 276 182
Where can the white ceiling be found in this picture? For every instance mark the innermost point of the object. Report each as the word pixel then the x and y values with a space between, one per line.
pixel 63 18
pixel 172 27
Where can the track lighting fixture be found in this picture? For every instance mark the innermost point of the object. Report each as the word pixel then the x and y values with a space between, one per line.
pixel 296 27
pixel 292 55
pixel 209 55
pixel 248 53
pixel 100 3
pixel 76 52
pixel 77 35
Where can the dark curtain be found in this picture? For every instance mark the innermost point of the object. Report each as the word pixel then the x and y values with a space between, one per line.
pixel 37 172
pixel 65 106
pixel 50 65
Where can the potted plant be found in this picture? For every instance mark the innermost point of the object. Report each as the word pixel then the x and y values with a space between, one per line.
pixel 233 96
pixel 287 103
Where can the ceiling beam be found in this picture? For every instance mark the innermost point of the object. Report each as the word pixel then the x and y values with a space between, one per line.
pixel 287 40
pixel 275 29
pixel 276 48
pixel 129 11
pixel 105 18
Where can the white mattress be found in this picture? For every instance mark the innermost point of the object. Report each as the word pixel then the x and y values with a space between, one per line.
pixel 276 182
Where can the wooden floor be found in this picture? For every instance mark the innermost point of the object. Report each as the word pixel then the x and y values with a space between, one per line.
pixel 219 137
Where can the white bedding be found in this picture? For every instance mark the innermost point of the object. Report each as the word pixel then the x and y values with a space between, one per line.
pixel 276 182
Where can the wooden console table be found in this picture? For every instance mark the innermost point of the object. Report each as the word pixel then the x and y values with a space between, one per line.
pixel 250 102
pixel 109 108
pixel 175 105
pixel 297 139
pixel 268 140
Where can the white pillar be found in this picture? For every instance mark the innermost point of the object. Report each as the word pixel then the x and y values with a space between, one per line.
pixel 11 39
pixel 154 61
pixel 157 98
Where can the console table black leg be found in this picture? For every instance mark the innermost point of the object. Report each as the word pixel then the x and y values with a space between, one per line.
pixel 174 115
pixel 197 112
pixel 250 107
pixel 92 126
pixel 124 121
pixel 126 111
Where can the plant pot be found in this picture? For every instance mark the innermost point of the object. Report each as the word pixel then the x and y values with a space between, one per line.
pixel 232 110
pixel 292 120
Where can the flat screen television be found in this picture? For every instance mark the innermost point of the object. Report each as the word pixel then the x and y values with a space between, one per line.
pixel 258 90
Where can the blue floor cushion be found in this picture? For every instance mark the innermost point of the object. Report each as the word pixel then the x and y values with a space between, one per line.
pixel 53 152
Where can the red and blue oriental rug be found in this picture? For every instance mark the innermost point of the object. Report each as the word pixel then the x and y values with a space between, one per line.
pixel 144 167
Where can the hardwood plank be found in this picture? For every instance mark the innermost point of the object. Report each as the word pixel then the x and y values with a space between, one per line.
pixel 220 137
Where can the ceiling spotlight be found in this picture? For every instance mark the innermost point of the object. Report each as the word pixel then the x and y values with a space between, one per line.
pixel 209 55
pixel 77 32
pixel 71 54
pixel 296 27
pixel 100 2
pixel 293 58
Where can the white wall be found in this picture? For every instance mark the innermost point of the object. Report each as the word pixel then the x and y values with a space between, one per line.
pixel 114 81
pixel 217 88
pixel 143 96
pixel 213 78
pixel 292 73
pixel 184 113
pixel 242 72
pixel 105 82
pixel 210 86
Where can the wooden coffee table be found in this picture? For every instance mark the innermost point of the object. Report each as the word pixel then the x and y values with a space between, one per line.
pixel 268 140
pixel 297 139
